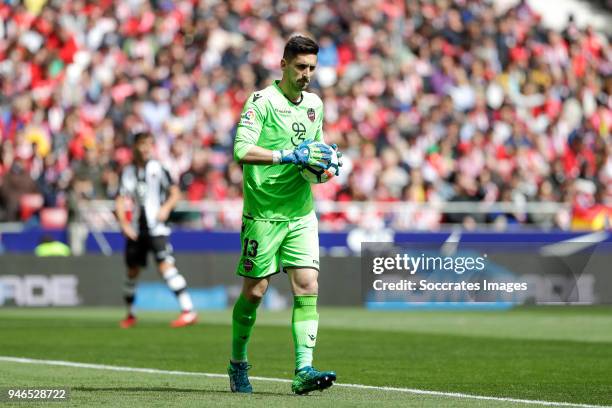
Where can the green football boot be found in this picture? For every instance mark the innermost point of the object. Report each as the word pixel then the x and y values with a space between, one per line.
pixel 239 378
pixel 309 379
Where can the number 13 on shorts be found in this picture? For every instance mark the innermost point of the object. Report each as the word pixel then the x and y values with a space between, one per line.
pixel 268 244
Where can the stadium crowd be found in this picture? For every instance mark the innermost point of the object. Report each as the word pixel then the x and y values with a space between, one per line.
pixel 432 101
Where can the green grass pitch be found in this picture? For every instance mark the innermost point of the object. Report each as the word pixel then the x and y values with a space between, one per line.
pixel 559 354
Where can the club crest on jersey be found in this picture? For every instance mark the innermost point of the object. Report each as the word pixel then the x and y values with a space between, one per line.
pixel 248 265
pixel 311 114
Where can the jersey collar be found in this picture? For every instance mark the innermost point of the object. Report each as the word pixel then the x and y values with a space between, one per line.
pixel 276 82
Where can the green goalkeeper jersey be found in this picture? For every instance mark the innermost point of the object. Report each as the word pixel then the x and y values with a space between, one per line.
pixel 270 120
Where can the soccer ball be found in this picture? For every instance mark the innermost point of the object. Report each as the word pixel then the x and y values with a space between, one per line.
pixel 318 175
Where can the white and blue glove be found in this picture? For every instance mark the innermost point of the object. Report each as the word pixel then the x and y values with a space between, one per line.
pixel 339 155
pixel 308 153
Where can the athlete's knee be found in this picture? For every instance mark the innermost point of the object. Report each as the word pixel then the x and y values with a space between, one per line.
pixel 164 266
pixel 254 295
pixel 306 287
pixel 304 281
pixel 255 291
pixel 133 272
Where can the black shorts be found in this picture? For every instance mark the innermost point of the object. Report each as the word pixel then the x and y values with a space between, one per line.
pixel 136 251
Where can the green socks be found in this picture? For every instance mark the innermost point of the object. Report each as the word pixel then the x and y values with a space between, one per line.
pixel 304 325
pixel 243 319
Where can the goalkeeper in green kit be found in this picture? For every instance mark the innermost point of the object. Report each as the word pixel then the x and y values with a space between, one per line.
pixel 280 130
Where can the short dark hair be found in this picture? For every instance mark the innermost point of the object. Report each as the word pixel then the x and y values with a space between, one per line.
pixel 138 136
pixel 299 44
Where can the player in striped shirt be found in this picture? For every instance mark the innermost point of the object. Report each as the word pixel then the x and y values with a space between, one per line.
pixel 149 187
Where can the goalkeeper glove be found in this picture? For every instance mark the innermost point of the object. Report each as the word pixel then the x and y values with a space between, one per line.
pixel 307 153
pixel 339 155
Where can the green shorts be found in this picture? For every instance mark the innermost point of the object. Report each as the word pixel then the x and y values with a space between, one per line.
pixel 268 245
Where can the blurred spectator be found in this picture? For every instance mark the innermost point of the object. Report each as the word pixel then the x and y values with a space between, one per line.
pixel 588 213
pixel 432 101
pixel 49 246
pixel 16 183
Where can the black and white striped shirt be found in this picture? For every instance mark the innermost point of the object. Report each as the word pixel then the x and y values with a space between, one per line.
pixel 148 188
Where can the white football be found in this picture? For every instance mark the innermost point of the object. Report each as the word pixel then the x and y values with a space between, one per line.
pixel 317 175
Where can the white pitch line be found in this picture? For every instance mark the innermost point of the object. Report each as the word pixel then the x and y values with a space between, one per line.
pixel 574 245
pixel 282 380
pixel 451 244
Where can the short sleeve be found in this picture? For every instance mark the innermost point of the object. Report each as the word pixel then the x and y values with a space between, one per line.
pixel 124 185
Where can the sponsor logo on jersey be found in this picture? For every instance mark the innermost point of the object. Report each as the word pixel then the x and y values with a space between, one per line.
pixel 282 111
pixel 311 114
pixel 249 114
pixel 256 97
